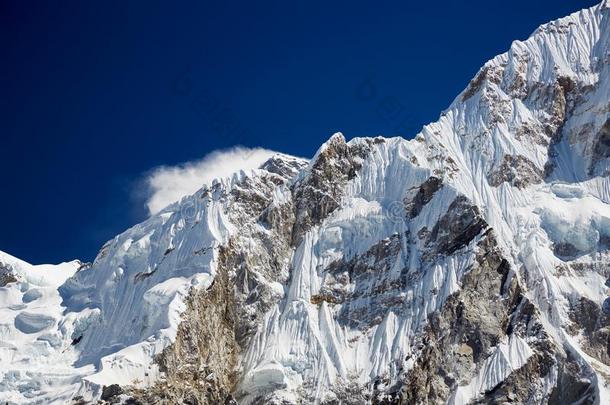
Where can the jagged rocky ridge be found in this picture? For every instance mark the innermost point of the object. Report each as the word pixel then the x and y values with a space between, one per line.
pixel 468 265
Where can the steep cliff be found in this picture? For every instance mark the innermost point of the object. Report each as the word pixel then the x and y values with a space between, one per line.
pixel 470 264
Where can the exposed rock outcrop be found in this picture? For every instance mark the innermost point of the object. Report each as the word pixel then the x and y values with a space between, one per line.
pixel 6 275
pixel 471 322
pixel 601 149
pixel 462 222
pixel 420 196
pixel 516 170
pixel 594 324
pixel 201 365
pixel 318 193
pixel 365 285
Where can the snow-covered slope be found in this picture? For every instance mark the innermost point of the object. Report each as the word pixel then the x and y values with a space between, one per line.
pixel 36 355
pixel 468 265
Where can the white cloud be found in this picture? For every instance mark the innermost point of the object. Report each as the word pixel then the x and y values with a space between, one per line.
pixel 167 184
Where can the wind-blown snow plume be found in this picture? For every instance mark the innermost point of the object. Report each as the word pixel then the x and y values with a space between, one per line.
pixel 167 184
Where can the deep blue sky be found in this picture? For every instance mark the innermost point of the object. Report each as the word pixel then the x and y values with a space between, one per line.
pixel 95 93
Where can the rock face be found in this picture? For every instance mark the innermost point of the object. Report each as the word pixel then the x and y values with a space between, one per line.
pixel 318 192
pixel 457 227
pixel 420 196
pixel 6 276
pixel 517 171
pixel 471 323
pixel 468 265
pixel 601 151
pixel 200 366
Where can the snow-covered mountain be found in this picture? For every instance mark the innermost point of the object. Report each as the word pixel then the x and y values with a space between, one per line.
pixel 470 264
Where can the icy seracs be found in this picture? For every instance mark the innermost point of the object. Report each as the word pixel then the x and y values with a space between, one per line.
pixel 468 265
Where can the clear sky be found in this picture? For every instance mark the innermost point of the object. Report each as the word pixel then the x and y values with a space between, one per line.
pixel 97 93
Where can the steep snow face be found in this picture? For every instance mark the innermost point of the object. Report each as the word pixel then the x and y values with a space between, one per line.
pixel 526 143
pixel 363 281
pixel 129 301
pixel 131 297
pixel 104 323
pixel 467 265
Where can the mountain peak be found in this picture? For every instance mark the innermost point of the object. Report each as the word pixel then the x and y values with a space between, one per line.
pixel 468 265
